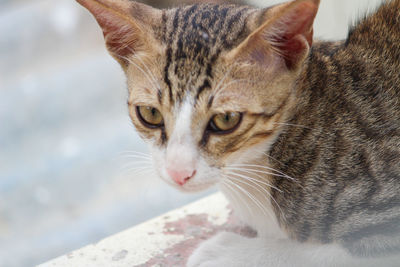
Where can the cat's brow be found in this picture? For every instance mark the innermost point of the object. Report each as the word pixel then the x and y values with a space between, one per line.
pixel 193 45
pixel 210 102
pixel 160 96
pixel 263 115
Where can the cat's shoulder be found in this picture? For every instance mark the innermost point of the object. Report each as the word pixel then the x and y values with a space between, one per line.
pixel 379 27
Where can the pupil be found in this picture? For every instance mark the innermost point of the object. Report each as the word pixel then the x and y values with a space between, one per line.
pixel 153 112
pixel 227 118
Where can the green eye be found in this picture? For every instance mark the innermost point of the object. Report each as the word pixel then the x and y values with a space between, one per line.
pixel 150 117
pixel 225 123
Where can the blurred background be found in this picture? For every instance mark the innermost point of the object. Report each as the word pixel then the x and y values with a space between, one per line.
pixel 66 175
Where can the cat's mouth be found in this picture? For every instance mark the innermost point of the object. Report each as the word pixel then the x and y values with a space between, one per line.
pixel 193 184
pixel 193 187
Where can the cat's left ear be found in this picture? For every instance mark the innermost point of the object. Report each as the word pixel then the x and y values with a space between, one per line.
pixel 126 25
pixel 286 34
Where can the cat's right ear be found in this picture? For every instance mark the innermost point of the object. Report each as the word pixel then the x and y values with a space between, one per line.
pixel 285 35
pixel 125 24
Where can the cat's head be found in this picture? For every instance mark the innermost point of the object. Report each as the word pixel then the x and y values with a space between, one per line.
pixel 209 84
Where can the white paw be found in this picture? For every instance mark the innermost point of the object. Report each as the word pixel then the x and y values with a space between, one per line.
pixel 223 250
pixel 232 250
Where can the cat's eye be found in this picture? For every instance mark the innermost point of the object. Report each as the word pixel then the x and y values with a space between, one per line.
pixel 150 117
pixel 225 123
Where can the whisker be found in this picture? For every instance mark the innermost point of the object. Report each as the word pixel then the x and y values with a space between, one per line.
pixel 133 159
pixel 239 197
pixel 137 164
pixel 138 172
pixel 232 186
pixel 147 68
pixel 136 152
pixel 253 179
pixel 260 191
pixel 136 157
pixel 146 75
pixel 248 194
pixel 223 79
pixel 265 168
pixel 250 181
pixel 169 182
pixel 263 172
pixel 227 85
pixel 149 71
pixel 262 151
pixel 265 191
pixel 269 156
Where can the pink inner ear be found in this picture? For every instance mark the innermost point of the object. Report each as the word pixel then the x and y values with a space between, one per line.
pixel 120 32
pixel 292 32
pixel 120 36
pixel 300 21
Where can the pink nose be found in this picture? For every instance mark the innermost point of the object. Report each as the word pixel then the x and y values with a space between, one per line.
pixel 181 177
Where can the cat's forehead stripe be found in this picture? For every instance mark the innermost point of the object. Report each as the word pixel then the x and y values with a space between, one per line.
pixel 166 74
pixel 195 36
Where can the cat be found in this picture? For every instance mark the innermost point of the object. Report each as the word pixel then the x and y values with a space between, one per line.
pixel 302 136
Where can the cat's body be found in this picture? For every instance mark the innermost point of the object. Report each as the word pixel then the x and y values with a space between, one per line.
pixel 346 154
pixel 304 141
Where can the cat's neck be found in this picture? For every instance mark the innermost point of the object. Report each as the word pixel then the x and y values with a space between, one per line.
pixel 306 119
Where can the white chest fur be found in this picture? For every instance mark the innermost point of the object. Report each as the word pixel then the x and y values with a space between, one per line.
pixel 254 209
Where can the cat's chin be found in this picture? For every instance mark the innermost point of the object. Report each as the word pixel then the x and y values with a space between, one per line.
pixel 193 188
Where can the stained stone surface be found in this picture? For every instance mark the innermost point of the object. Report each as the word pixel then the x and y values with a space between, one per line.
pixel 168 240
pixel 64 128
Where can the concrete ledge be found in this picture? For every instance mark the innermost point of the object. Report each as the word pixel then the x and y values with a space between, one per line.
pixel 165 241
